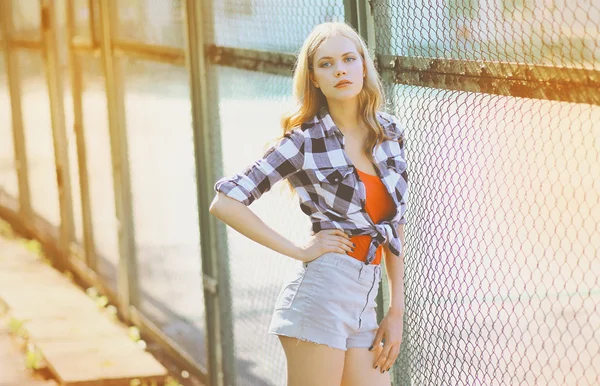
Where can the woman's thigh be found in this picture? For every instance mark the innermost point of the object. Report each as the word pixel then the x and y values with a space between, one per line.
pixel 359 370
pixel 312 364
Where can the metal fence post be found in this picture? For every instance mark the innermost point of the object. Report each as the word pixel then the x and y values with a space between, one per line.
pixel 127 271
pixel 358 14
pixel 59 135
pixel 14 86
pixel 215 256
pixel 84 191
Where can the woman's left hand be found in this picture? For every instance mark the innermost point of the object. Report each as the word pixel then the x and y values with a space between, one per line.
pixel 390 328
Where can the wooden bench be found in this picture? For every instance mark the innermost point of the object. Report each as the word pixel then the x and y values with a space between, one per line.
pixel 79 342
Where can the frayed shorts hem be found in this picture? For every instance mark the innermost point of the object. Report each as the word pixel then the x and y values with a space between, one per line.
pixel 323 343
pixel 308 336
pixel 358 346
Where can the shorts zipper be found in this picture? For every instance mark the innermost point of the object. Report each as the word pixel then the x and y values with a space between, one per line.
pixel 367 302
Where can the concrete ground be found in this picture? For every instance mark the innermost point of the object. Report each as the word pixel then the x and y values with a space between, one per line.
pixel 13 370
pixel 49 323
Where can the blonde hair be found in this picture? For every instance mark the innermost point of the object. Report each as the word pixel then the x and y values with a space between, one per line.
pixel 309 99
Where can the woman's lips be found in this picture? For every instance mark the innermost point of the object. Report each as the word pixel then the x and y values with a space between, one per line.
pixel 343 83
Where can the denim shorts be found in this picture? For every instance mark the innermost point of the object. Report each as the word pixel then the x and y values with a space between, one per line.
pixel 330 301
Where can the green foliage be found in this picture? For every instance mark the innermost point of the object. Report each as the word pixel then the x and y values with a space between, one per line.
pixel 172 382
pixel 32 246
pixel 6 230
pixel 33 357
pixel 92 292
pixel 134 333
pixel 169 381
pixel 102 301
pixel 111 311
pixel 16 327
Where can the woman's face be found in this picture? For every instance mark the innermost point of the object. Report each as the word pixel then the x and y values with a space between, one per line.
pixel 338 69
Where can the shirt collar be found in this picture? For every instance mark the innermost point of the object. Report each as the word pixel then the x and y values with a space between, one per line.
pixel 329 128
pixel 326 122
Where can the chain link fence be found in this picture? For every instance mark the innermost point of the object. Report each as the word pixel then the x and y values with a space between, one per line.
pixel 554 32
pixel 503 239
pixel 502 244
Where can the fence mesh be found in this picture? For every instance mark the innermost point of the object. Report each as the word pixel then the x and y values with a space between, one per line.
pixel 556 32
pixel 163 186
pixel 161 156
pixel 269 25
pixel 247 102
pixel 502 246
pixel 152 22
pixel 502 261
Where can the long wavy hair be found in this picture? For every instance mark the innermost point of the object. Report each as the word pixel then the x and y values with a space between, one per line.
pixel 309 99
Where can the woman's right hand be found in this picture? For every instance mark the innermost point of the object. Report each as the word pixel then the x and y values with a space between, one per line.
pixel 329 240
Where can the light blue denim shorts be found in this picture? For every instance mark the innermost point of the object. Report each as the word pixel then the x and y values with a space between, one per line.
pixel 330 301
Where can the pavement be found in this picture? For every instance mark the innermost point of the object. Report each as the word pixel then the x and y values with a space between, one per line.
pixel 13 369
pixel 49 323
pixel 13 357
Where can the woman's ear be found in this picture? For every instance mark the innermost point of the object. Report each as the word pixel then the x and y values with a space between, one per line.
pixel 313 80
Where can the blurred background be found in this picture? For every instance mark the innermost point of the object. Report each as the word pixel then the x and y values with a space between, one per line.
pixel 116 119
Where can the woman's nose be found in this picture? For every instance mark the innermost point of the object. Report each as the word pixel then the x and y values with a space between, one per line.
pixel 340 72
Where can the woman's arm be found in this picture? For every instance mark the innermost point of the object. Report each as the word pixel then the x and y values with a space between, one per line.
pixel 392 324
pixel 394 266
pixel 242 219
pixel 238 216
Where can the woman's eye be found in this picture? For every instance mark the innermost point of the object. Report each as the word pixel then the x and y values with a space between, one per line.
pixel 324 64
pixel 349 58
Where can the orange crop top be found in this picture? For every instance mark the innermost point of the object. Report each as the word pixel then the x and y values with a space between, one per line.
pixel 379 206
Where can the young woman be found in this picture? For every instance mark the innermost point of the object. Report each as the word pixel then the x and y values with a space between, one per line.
pixel 345 160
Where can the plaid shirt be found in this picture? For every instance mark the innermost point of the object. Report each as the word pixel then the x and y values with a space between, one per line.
pixel 330 191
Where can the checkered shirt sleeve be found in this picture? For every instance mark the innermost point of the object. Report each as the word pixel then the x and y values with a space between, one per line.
pixel 279 162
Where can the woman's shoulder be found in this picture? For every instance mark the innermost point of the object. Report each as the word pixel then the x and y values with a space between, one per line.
pixel 311 127
pixel 291 137
pixel 298 134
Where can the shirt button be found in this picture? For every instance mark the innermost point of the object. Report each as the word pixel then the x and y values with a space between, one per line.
pixel 336 180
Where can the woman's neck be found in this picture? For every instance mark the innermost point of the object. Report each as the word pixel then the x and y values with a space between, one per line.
pixel 345 116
